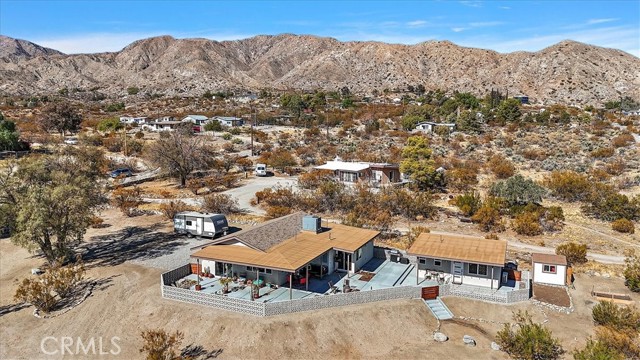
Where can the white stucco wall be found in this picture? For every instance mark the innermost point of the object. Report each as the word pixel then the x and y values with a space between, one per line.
pixel 547 278
pixel 367 254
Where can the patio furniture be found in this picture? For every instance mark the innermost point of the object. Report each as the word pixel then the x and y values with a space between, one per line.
pixel 333 289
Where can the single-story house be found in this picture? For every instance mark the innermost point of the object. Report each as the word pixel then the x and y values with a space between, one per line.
pixel 549 269
pixel 353 172
pixel 287 248
pixel 196 119
pixel 460 259
pixel 162 125
pixel 430 127
pixel 246 98
pixel 133 119
pixel 228 120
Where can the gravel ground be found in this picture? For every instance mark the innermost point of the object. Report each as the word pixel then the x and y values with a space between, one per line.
pixel 175 257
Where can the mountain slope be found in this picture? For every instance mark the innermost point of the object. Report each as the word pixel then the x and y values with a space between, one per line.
pixel 568 72
pixel 16 48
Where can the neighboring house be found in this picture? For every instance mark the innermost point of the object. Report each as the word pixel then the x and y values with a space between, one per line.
pixel 245 99
pixel 460 259
pixel 549 269
pixel 133 119
pixel 631 112
pixel 353 172
pixel 523 99
pixel 162 125
pixel 228 120
pixel 196 119
pixel 280 250
pixel 429 127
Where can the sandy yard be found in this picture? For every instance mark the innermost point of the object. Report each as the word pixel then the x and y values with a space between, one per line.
pixel 127 300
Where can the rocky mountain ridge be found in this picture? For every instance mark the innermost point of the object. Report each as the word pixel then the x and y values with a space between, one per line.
pixel 568 72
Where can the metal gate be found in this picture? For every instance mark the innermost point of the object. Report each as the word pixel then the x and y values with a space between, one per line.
pixel 430 292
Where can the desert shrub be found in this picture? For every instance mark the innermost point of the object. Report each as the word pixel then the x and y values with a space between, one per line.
pixel 91 140
pixel 518 190
pixel 625 342
pixel 462 178
pixel 139 135
pixel 501 167
pixel 230 180
pixel 160 345
pixel 277 211
pixel 568 185
pixel 552 218
pixel 414 232
pixel 615 167
pixel 312 180
pixel 126 199
pixel 632 272
pixel 607 204
pixel 468 203
pixel 618 317
pixel 213 126
pixel 531 341
pixel 170 209
pixel 96 222
pixel 602 153
pixel 111 124
pixel 491 236
pixel 574 252
pixel 527 223
pixel 623 226
pixel 488 218
pixel 597 350
pixel 220 203
pixel 227 136
pixel 622 140
pixel 48 290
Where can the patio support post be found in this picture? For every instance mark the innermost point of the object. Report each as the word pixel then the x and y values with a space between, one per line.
pixel 198 271
pixel 306 281
pixel 290 286
pixel 418 272
pixel 491 277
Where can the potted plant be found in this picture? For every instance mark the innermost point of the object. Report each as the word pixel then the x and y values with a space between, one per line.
pixel 225 281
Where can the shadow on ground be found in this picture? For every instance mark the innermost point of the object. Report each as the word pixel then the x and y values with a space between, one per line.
pixel 6 309
pixel 131 243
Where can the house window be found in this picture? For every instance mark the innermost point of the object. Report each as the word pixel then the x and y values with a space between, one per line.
pixel 437 262
pixel 260 270
pixel 478 269
pixel 358 254
pixel 422 260
pixel 551 269
pixel 391 175
pixel 189 222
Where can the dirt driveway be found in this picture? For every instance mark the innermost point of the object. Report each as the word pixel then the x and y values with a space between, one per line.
pixel 245 193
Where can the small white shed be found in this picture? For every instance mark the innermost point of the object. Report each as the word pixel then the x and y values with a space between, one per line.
pixel 549 269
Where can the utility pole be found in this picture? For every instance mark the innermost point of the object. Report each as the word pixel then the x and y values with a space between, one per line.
pixel 125 139
pixel 252 125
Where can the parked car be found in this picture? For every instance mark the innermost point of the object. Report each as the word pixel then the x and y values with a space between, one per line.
pixel 71 141
pixel 120 172
pixel 261 170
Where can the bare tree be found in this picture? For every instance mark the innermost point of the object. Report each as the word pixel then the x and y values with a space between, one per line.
pixel 179 154
pixel 61 117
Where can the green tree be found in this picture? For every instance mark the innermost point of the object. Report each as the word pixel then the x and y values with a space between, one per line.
pixel 111 124
pixel 517 190
pixel 467 122
pixel 575 253
pixel 61 117
pixel 632 271
pixel 53 203
pixel 213 126
pixel 531 341
pixel 9 135
pixel 293 103
pixel 597 350
pixel 409 122
pixel 418 163
pixel 468 203
pixel 509 111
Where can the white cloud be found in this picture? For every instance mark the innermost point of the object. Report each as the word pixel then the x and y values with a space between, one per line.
pixel 486 24
pixel 416 23
pixel 600 21
pixel 458 29
pixel 471 3
pixel 505 7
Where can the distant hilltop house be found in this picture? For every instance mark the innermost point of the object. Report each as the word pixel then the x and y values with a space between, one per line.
pixel 632 113
pixel 126 119
pixel 429 126
pixel 523 99
pixel 245 99
pixel 373 173
pixel 231 121
pixel 165 123
pixel 196 119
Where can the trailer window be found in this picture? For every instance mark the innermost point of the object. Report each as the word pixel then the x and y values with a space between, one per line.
pixel 189 222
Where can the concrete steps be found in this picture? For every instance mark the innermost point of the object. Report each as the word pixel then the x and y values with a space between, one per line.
pixel 439 309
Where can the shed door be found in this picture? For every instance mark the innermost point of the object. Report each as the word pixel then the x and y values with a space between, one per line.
pixel 199 225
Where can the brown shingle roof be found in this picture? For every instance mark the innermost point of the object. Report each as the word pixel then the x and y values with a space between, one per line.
pixel 460 248
pixel 295 252
pixel 265 235
pixel 551 259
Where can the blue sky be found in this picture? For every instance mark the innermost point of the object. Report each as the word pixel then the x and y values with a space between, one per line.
pixel 504 26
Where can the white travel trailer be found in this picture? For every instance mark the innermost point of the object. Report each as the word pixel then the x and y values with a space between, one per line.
pixel 193 223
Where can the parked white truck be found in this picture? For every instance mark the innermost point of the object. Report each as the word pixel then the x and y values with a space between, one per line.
pixel 193 223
